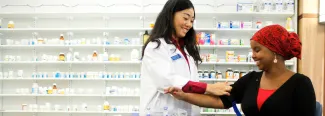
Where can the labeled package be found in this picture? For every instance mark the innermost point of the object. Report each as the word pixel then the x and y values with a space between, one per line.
pixel 230 56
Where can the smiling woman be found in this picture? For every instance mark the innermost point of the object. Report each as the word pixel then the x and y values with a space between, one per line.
pixel 170 58
pixel 276 91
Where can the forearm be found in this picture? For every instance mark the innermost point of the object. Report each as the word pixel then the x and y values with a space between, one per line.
pixel 204 100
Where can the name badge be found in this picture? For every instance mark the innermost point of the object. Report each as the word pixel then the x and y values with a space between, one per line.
pixel 177 56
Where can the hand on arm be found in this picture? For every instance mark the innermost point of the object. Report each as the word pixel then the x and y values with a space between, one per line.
pixel 219 89
pixel 201 100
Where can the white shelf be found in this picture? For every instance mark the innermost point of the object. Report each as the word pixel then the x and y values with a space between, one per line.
pixel 229 30
pixel 70 62
pixel 73 29
pixel 66 95
pixel 220 113
pixel 236 63
pixel 67 46
pixel 119 29
pixel 121 62
pixel 115 46
pixel 75 112
pixel 138 14
pixel 73 79
pixel 235 14
pixel 224 46
pixel 218 80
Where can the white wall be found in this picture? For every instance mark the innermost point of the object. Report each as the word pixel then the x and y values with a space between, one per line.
pixel 322 11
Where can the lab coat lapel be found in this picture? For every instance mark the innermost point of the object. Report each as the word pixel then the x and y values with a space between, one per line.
pixel 193 68
pixel 184 68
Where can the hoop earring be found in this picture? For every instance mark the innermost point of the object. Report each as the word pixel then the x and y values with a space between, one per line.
pixel 275 60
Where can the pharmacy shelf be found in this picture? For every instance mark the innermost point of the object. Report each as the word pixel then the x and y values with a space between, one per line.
pixel 224 46
pixel 72 79
pixel 235 14
pixel 230 30
pixel 237 63
pixel 114 46
pixel 218 80
pixel 72 112
pixel 219 113
pixel 72 29
pixel 6 30
pixel 68 46
pixel 121 62
pixel 138 14
pixel 69 95
pixel 70 62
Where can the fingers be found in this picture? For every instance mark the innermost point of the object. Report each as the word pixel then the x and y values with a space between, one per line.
pixel 171 89
pixel 228 88
pixel 226 93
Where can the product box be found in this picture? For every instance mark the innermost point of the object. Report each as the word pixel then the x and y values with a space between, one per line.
pixel 245 7
pixel 230 55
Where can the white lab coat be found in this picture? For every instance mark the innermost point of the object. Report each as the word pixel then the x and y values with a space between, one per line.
pixel 159 71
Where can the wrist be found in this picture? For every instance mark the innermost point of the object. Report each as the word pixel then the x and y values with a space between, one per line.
pixel 208 88
pixel 185 97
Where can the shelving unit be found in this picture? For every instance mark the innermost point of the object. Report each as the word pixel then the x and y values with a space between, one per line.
pixel 218 113
pixel 68 112
pixel 69 95
pixel 91 21
pixel 70 79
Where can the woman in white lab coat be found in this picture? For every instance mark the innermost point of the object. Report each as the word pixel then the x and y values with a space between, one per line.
pixel 170 58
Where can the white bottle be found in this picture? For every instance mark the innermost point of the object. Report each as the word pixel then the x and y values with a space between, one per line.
pixel 148 112
pixel 35 88
pixel 165 112
pixel 249 57
pixel 0 22
pixel 269 6
pixel 134 55
pixel 69 57
pixel 264 6
pixel 278 5
pixel 105 56
pixel 290 5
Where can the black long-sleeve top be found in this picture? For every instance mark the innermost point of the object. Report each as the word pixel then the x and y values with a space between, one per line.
pixel 296 97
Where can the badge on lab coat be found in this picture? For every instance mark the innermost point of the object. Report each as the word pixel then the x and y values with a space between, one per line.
pixel 175 57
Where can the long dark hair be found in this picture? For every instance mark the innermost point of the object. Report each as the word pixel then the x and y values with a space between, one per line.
pixel 164 28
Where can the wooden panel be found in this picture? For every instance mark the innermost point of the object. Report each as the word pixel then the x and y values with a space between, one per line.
pixel 311 35
pixel 308 6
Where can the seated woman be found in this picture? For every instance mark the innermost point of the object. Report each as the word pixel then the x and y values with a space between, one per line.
pixel 276 91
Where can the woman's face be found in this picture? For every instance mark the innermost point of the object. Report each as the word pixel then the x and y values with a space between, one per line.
pixel 262 56
pixel 183 22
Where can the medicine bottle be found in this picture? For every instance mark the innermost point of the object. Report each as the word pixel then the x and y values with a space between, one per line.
pixel 61 57
pixel 212 74
pixel 145 37
pixel 206 74
pixel 229 73
pixel 106 105
pixel 219 75
pixel 242 73
pixel 61 39
pixel 236 74
pixel 54 88
pixel 11 24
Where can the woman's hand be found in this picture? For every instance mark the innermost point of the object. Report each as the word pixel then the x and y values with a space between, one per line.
pixel 219 89
pixel 176 92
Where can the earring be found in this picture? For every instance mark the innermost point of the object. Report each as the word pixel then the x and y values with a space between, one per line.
pixel 275 60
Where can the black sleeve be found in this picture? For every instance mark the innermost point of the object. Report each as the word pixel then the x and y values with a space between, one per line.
pixel 237 92
pixel 304 97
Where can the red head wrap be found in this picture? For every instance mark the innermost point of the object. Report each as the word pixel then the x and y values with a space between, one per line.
pixel 279 40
